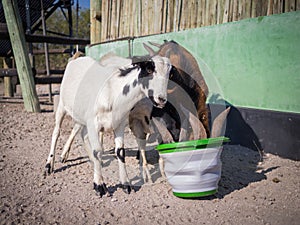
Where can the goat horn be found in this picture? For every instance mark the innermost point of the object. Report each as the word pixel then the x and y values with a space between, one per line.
pixel 155 44
pixel 197 127
pixel 165 134
pixel 149 49
pixel 183 136
pixel 218 123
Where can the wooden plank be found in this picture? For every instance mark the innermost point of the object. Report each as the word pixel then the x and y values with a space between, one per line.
pixel 8 72
pixel 275 6
pixel 104 19
pixel 16 33
pixel 37 38
pixel 152 17
pixel 292 5
pixel 226 11
pixel 193 14
pixel 123 12
pixel 254 7
pixel 286 6
pixel 169 15
pixel 264 8
pixel 145 17
pixel 220 11
pixel 206 15
pixel 53 79
pixel 158 12
pixel 235 10
pixel 113 19
pixel 270 7
pixel 164 18
pixel 199 13
pixel 298 5
pixel 95 15
pixel 139 18
pixel 184 14
pixel 213 12
pixel 108 20
pixel 133 19
pixel 247 9
pixel 241 9
pixel 128 19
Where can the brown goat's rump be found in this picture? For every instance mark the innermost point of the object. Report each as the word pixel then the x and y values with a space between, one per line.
pixel 249 192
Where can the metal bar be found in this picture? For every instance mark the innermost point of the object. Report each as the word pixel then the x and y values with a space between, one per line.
pixel 48 14
pixel 36 38
pixel 70 22
pixel 46 50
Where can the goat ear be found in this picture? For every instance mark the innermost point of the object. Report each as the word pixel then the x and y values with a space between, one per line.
pixel 149 49
pixel 219 123
pixel 165 134
pixel 197 127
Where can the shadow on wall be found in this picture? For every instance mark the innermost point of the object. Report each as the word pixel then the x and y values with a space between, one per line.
pixel 237 129
pixel 261 130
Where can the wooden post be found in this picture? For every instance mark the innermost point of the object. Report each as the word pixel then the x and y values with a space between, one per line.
pixel 8 89
pixel 95 13
pixel 17 38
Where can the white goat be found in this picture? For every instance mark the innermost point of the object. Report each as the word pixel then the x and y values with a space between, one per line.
pixel 100 98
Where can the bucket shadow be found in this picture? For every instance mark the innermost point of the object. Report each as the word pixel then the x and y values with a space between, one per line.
pixel 239 169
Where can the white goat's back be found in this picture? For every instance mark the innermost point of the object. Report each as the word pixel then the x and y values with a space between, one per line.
pixel 111 59
pixel 83 79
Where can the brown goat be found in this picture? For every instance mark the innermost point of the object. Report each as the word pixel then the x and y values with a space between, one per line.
pixel 190 77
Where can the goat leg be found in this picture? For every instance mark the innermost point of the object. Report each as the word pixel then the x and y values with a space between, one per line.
pixel 143 161
pixel 65 154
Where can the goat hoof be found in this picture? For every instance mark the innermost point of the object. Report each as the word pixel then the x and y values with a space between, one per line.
pixel 48 168
pixel 100 189
pixel 62 160
pixel 138 155
pixel 126 188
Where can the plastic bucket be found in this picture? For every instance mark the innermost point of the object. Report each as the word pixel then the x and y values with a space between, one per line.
pixel 193 168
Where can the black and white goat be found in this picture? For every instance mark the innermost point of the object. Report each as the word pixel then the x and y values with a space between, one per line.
pixel 99 98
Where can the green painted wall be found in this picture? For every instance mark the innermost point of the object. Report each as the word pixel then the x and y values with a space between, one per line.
pixel 251 63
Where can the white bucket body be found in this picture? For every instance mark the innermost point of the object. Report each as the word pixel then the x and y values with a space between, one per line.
pixel 193 173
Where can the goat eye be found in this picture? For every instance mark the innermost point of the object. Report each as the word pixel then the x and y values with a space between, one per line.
pixel 149 70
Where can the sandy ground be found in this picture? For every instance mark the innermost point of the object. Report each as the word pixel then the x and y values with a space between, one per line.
pixel 249 192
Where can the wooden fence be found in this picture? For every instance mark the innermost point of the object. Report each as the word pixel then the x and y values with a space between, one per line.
pixel 132 18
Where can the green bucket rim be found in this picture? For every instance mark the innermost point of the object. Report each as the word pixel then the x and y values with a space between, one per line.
pixel 191 145
pixel 195 194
